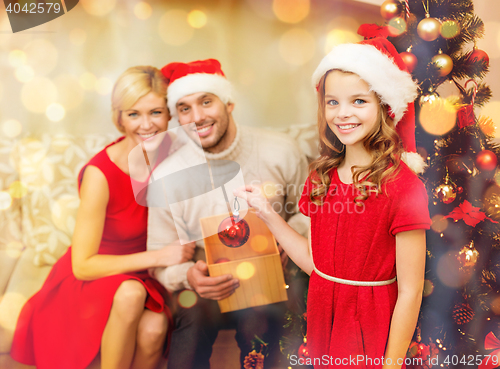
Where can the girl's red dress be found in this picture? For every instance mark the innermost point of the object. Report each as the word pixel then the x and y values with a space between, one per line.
pixel 61 325
pixel 345 321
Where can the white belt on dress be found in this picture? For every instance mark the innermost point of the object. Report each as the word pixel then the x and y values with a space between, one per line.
pixel 346 281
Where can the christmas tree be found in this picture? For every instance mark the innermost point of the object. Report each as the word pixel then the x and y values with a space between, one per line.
pixel 460 316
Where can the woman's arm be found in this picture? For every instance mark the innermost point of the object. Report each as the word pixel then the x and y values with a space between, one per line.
pixel 410 268
pixel 87 263
pixel 295 245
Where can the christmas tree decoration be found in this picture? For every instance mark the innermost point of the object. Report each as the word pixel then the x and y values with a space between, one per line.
pixel 233 232
pixel 409 59
pixel 486 160
pixel 462 313
pixel 303 351
pixel 446 193
pixel 396 26
pixel 428 97
pixel 254 360
pixel 491 342
pixel 449 29
pixel 390 9
pixel 468 255
pixel 487 125
pixel 437 116
pixel 479 55
pixel 428 28
pixel 471 215
pixel 443 62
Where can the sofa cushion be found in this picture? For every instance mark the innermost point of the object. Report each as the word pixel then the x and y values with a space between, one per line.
pixel 49 167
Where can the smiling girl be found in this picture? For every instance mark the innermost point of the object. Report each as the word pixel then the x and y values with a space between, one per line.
pixel 368 212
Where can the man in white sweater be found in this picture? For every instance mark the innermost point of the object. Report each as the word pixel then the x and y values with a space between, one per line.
pixel 199 93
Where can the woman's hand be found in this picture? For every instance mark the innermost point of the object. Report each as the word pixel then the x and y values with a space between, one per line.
pixel 175 253
pixel 255 199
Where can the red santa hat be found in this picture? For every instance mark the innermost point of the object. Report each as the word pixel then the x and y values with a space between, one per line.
pixel 379 64
pixel 198 76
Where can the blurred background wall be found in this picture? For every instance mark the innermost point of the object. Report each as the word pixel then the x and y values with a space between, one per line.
pixel 57 77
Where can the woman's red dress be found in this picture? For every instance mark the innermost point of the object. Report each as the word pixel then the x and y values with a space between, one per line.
pixel 61 325
pixel 344 321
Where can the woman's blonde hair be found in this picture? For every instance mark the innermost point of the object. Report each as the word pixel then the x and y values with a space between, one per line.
pixel 133 84
pixel 382 142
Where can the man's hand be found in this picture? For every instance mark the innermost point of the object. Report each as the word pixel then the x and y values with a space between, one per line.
pixel 214 288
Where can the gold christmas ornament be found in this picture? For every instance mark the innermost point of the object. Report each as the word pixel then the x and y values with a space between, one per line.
pixel 390 9
pixel 446 193
pixel 449 29
pixel 444 63
pixel 428 28
pixel 428 97
pixel 468 256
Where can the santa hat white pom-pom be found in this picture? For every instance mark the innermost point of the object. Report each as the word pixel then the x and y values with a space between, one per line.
pixel 414 161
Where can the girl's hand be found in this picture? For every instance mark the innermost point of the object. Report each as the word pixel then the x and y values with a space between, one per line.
pixel 255 199
pixel 175 253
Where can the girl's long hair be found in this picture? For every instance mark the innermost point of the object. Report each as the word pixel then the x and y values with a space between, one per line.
pixel 382 143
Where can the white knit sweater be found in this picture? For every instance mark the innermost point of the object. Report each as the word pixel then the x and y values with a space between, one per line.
pixel 264 157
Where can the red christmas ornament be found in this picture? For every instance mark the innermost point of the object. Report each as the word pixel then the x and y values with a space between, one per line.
pixel 486 160
pixel 410 60
pixel 478 55
pixel 303 351
pixel 234 232
pixel 465 116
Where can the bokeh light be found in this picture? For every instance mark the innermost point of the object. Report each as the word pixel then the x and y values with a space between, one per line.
pixel 5 200
pixel 491 39
pixel 35 168
pixel 24 73
pixel 450 271
pixel 38 94
pixel 77 36
pixel 69 90
pixel 12 302
pixel 174 28
pixel 339 36
pixel 187 299
pixel 492 110
pixel 197 19
pixel 396 26
pixel 55 112
pixel 12 128
pixel 259 243
pixel 297 46
pixel 14 249
pixel 438 117
pixel 60 143
pixel 143 10
pixel 439 223
pixel 245 270
pixel 291 11
pixel 428 288
pixel 98 7
pixel 88 81
pixel 41 55
pixel 18 189
pixel 64 212
pixel 495 305
pixel 450 28
pixel 103 86
pixel 17 58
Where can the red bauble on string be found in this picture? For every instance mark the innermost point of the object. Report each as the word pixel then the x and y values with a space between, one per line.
pixel 410 60
pixel 303 351
pixel 486 160
pixel 477 55
pixel 233 232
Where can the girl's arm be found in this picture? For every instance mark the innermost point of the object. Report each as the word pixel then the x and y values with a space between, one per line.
pixel 295 245
pixel 410 268
pixel 87 263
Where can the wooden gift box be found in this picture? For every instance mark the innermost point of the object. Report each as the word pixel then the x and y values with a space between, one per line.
pixel 257 264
